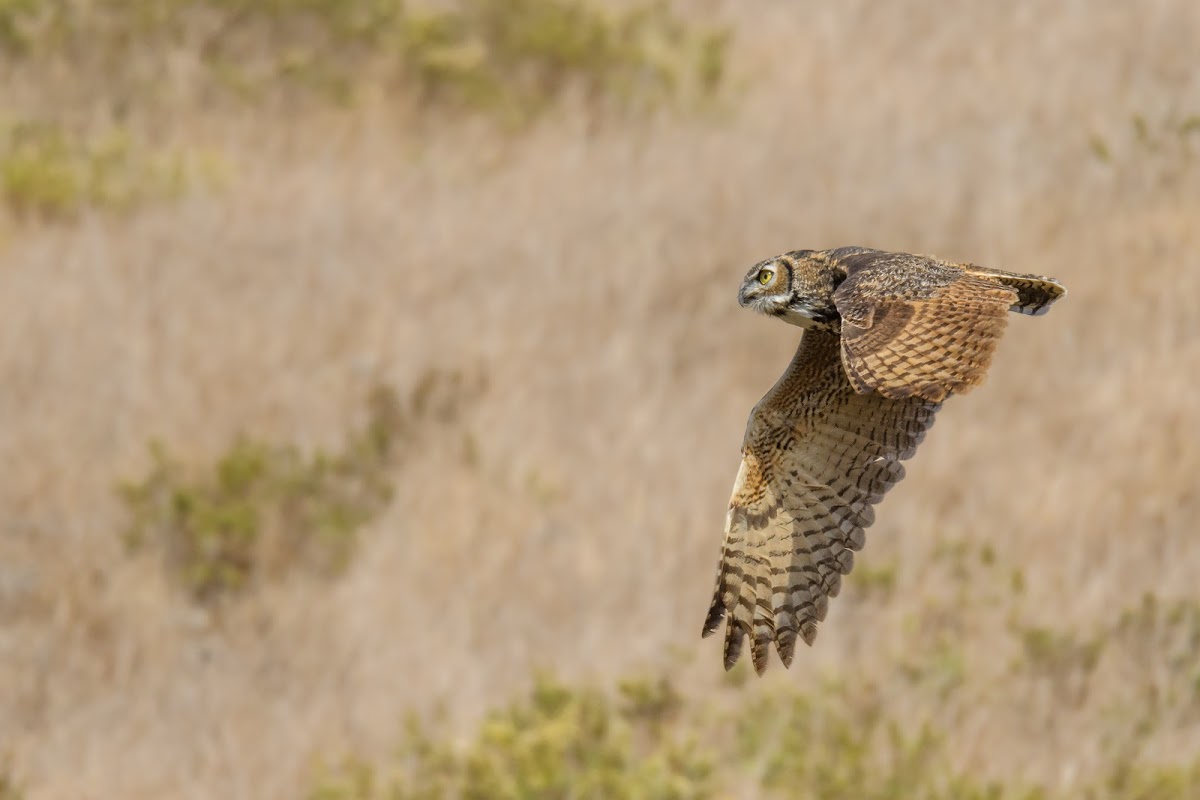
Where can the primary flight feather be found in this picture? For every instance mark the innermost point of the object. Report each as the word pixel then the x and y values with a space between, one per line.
pixel 888 337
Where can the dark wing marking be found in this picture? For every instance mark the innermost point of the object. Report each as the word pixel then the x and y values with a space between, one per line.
pixel 1035 293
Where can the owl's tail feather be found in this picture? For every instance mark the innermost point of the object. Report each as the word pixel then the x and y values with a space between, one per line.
pixel 1035 293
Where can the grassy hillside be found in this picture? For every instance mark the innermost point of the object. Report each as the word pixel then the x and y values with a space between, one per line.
pixel 225 225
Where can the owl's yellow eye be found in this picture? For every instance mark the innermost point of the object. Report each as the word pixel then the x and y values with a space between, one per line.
pixel 765 276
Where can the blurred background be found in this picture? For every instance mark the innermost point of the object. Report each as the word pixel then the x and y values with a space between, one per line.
pixel 372 382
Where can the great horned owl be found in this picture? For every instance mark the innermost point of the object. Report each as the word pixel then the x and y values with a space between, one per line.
pixel 888 337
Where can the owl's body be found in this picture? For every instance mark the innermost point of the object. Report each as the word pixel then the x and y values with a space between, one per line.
pixel 889 336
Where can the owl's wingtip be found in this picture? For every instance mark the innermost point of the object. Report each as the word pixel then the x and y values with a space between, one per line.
pixel 716 613
pixel 785 645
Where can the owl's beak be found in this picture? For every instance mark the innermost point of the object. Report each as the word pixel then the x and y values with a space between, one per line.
pixel 743 295
pixel 751 296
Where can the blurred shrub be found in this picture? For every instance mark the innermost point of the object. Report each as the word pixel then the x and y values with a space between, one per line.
pixel 50 171
pixel 559 742
pixel 1166 633
pixel 1138 782
pixel 15 16
pixel 1151 154
pixel 509 55
pixel 876 582
pixel 1062 655
pixel 836 742
pixel 842 743
pixel 8 787
pixel 267 509
pixel 83 61
pixel 1152 638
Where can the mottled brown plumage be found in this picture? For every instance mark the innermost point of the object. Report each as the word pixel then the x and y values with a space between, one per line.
pixel 889 336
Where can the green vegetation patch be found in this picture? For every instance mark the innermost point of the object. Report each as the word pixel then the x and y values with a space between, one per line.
pixel 266 509
pixel 508 55
pixel 83 74
pixel 1159 152
pixel 51 171
pixel 558 742
pixel 9 790
pixel 645 740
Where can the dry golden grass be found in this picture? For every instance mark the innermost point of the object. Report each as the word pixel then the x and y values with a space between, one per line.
pixel 589 271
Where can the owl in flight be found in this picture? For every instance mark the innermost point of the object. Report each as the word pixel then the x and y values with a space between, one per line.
pixel 888 337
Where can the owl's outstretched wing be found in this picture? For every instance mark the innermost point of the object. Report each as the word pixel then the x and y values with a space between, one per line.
pixel 915 326
pixel 816 457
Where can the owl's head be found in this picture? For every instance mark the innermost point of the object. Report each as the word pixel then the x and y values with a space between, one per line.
pixel 797 287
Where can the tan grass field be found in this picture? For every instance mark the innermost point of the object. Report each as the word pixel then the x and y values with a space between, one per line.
pixel 571 520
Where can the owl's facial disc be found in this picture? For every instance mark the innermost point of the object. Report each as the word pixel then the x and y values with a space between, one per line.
pixel 793 287
pixel 767 288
